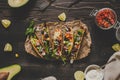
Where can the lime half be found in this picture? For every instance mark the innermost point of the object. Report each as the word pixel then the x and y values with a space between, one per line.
pixel 79 75
pixel 8 47
pixel 6 23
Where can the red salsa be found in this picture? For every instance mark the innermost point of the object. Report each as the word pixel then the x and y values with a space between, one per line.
pixel 105 18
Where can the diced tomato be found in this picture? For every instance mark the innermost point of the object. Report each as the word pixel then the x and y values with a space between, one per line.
pixel 69 36
pixel 105 18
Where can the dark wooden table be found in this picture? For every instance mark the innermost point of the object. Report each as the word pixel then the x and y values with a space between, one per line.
pixel 32 68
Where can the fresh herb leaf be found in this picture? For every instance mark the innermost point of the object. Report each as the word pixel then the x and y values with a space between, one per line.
pixel 63 59
pixel 54 51
pixel 33 41
pixel 31 24
pixel 46 46
pixel 80 32
pixel 30 29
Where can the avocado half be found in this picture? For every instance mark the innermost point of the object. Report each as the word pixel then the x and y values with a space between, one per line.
pixel 17 3
pixel 12 70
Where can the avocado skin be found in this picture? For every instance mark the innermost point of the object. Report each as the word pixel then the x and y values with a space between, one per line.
pixel 12 70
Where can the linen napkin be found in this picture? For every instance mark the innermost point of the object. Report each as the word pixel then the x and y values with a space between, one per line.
pixel 112 70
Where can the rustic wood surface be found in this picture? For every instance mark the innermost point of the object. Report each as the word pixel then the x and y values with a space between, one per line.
pixel 32 68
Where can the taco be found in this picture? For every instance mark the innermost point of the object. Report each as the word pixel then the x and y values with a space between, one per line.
pixel 78 38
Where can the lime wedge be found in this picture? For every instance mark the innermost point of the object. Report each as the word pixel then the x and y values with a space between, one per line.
pixel 6 23
pixel 116 47
pixel 62 16
pixel 8 47
pixel 79 75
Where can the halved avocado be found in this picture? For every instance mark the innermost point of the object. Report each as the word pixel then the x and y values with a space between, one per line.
pixel 12 70
pixel 17 3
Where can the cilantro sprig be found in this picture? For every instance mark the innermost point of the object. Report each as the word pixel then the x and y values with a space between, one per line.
pixel 30 29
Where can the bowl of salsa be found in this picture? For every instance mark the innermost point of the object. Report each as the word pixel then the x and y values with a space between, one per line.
pixel 106 18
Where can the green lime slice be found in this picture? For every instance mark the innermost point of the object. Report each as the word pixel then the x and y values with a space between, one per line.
pixel 8 47
pixel 6 23
pixel 79 75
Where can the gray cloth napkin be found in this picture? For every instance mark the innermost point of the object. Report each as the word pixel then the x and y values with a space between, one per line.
pixel 112 70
